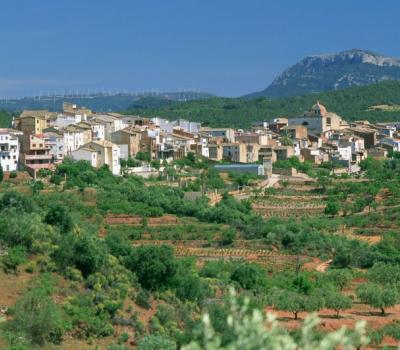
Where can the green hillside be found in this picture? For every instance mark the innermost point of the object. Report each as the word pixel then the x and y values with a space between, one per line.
pixel 352 104
pixel 5 119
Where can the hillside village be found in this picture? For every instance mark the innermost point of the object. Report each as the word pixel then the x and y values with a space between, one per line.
pixel 40 139
pixel 299 214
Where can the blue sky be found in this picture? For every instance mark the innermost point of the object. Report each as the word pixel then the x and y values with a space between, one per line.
pixel 227 47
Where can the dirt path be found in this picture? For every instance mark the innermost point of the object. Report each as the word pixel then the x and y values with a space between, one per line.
pixel 324 266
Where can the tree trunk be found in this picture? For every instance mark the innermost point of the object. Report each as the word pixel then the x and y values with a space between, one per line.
pixel 295 315
pixel 382 311
pixel 337 313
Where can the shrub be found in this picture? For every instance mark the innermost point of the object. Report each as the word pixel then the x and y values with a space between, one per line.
pixel 16 200
pixel 142 299
pixel 14 257
pixel 37 317
pixel 123 338
pixel 156 342
pixel 30 267
pixel 60 217
pixel 228 236
pixel 56 179
pixel 154 266
pixel 249 276
pixel 85 252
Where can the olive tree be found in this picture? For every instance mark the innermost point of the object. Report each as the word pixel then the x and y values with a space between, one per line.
pixel 337 301
pixel 378 296
pixel 294 302
pixel 259 331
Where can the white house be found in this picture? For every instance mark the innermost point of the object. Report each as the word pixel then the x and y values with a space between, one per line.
pixel 63 120
pixel 98 129
pixel 75 137
pixel 55 143
pixel 99 153
pixel 111 123
pixel 9 149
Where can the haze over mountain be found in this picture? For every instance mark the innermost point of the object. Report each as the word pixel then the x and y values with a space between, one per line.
pixel 102 102
pixel 327 72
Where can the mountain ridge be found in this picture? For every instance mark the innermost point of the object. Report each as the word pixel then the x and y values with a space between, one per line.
pixel 334 71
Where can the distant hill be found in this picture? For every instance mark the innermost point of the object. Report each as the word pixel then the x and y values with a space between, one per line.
pixel 352 103
pixel 101 102
pixel 5 119
pixel 332 72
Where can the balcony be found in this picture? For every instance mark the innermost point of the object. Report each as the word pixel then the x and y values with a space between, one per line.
pixel 38 156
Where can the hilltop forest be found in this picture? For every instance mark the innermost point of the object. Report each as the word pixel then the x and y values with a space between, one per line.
pixel 352 104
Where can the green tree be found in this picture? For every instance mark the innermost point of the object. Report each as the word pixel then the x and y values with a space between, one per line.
pixel 336 301
pixel 1 173
pixel 155 266
pixel 36 317
pixel 144 156
pixel 385 274
pixel 332 207
pixel 263 332
pixel 60 217
pixel 36 186
pixel 378 296
pixel 228 236
pixel 340 277
pixel 84 251
pixel 294 302
pixel 249 276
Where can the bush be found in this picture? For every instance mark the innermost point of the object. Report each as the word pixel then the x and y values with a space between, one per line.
pixel 156 342
pixel 228 236
pixel 249 276
pixel 60 217
pixel 142 299
pixel 16 200
pixel 13 175
pixel 85 252
pixel 332 208
pixel 123 338
pixel 30 267
pixel 14 257
pixel 37 317
pixel 56 179
pixel 154 266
